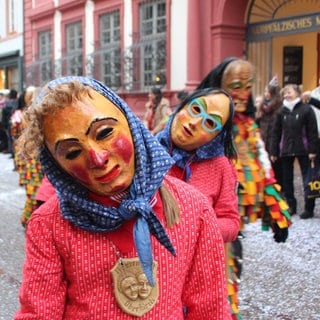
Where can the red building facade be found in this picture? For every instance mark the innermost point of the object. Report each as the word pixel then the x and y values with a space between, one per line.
pixel 91 38
pixel 132 45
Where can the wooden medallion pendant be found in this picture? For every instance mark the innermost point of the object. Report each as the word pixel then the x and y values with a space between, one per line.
pixel 133 292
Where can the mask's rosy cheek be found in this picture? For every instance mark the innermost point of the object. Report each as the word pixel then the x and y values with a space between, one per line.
pixel 233 95
pixel 124 148
pixel 203 138
pixel 182 115
pixel 247 94
pixel 81 174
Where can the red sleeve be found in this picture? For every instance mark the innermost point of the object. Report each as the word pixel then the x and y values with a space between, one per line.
pixel 43 290
pixel 217 179
pixel 205 292
pixel 45 191
pixel 226 205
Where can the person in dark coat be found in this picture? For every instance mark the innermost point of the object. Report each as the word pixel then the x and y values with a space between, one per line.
pixel 295 136
pixel 7 111
pixel 267 111
pixel 3 139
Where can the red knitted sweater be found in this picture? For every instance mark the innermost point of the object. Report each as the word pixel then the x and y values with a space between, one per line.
pixel 67 270
pixel 217 179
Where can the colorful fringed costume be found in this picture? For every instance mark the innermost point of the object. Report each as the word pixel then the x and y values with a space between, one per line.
pixel 232 282
pixel 29 170
pixel 32 181
pixel 16 130
pixel 259 195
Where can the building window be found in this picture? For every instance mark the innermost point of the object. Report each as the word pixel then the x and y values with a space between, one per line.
pixel 74 49
pixel 45 56
pixel 12 17
pixel 110 53
pixel 152 44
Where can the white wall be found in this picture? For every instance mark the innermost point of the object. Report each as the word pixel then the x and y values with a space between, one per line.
pixel 13 41
pixel 179 15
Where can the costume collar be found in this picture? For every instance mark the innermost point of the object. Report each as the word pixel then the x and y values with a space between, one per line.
pixel 292 103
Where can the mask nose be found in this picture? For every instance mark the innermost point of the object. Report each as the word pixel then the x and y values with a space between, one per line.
pixel 194 122
pixel 244 94
pixel 98 159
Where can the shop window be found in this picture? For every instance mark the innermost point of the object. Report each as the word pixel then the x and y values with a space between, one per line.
pixel 2 79
pixel 292 65
pixel 13 77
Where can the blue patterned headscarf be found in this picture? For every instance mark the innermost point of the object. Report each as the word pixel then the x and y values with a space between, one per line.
pixel 151 165
pixel 221 145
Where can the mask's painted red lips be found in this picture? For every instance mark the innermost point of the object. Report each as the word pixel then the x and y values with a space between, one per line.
pixel 112 174
pixel 239 102
pixel 187 132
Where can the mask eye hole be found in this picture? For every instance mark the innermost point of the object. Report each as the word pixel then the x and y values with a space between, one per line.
pixel 71 155
pixel 105 132
pixel 213 123
pixel 195 109
pixel 210 124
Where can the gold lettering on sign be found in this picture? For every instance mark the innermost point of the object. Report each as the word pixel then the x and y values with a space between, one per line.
pixel 287 25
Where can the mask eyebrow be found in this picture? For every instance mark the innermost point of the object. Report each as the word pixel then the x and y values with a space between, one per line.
pixel 199 101
pixel 98 120
pixel 203 103
pixel 237 83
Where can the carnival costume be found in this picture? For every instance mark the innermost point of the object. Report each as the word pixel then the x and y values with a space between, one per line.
pixel 29 169
pixel 93 236
pixel 209 170
pixel 258 194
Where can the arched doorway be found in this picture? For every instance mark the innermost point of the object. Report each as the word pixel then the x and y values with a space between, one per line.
pixel 278 29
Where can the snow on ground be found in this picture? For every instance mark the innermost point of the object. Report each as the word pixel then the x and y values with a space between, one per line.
pixel 281 281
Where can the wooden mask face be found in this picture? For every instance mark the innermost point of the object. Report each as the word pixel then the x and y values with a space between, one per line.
pixel 238 80
pixel 200 121
pixel 91 140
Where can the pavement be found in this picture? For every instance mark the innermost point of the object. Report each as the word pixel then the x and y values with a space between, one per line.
pixel 12 199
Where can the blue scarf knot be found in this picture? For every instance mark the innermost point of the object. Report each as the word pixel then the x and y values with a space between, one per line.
pixel 146 222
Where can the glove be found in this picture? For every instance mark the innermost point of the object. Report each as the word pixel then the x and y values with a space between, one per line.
pixel 280 234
